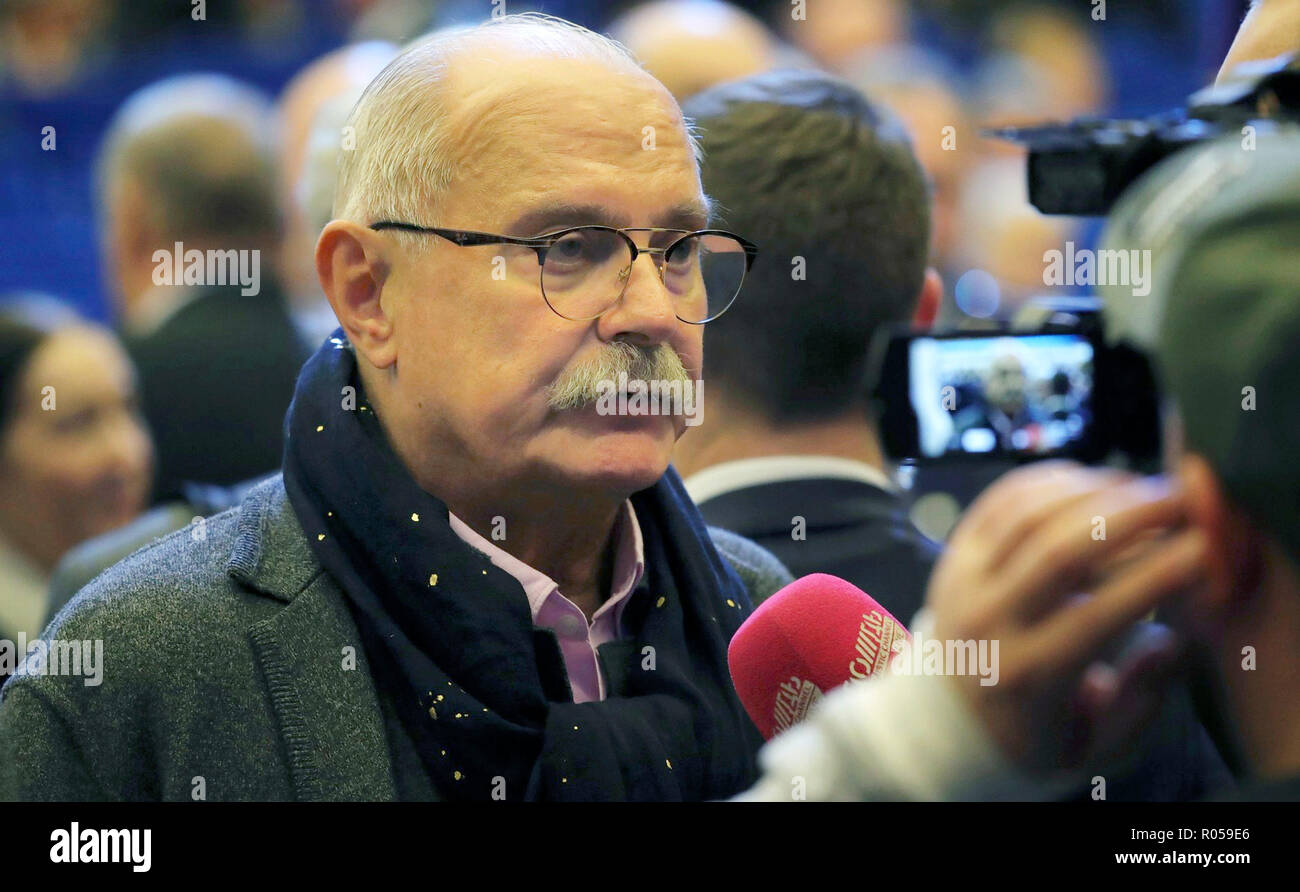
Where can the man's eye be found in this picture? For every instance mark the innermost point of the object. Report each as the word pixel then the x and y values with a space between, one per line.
pixel 685 254
pixel 590 247
pixel 571 247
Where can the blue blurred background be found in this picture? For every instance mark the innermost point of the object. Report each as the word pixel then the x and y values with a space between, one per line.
pixel 68 64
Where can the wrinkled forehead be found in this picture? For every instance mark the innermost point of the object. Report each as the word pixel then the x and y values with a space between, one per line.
pixel 534 133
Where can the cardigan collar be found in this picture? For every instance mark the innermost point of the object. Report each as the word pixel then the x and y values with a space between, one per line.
pixel 271 554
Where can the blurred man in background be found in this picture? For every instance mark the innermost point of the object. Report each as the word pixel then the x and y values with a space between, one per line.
pixel 786 454
pixel 47 44
pixel 834 31
pixel 689 45
pixel 192 230
pixel 1042 54
pixel 921 87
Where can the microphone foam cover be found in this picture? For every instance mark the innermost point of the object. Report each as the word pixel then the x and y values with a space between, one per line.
pixel 813 635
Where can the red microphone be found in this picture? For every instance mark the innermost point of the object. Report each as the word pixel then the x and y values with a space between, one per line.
pixel 813 635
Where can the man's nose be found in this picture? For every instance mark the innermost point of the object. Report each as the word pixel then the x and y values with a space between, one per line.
pixel 647 310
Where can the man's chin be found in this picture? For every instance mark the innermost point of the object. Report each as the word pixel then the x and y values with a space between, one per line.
pixel 621 455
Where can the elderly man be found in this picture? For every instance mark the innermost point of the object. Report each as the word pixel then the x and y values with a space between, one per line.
pixel 473 581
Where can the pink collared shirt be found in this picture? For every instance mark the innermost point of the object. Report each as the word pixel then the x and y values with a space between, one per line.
pixel 551 610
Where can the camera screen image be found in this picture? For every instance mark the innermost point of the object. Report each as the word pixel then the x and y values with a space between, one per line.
pixel 1028 394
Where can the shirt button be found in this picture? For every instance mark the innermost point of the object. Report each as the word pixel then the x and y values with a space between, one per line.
pixel 571 627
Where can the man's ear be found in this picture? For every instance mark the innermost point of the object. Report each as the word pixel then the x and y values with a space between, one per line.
pixel 1235 557
pixel 927 302
pixel 352 265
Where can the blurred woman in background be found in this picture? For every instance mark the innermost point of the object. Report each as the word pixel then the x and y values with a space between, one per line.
pixel 76 459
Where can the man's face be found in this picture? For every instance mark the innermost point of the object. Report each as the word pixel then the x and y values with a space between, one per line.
pixel 1005 387
pixel 547 144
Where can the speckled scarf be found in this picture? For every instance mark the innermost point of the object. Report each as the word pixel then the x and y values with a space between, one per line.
pixel 467 669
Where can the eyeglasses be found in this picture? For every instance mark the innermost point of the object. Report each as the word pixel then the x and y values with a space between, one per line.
pixel 585 269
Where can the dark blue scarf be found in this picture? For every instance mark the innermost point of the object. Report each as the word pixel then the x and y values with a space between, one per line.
pixel 475 683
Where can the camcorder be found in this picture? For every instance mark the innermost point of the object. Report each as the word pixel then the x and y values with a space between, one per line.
pixel 1082 167
pixel 1061 389
pixel 1058 391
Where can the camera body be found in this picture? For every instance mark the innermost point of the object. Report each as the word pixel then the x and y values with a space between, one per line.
pixel 1082 167
pixel 1058 390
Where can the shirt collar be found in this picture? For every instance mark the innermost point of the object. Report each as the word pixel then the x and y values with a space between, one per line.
pixel 629 561
pixel 746 472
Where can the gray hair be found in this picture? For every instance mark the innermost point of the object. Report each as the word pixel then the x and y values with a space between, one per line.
pixel 405 155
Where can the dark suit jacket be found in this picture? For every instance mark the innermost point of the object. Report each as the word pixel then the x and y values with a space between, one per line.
pixel 854 530
pixel 216 379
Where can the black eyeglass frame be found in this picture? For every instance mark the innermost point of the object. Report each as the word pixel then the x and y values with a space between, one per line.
pixel 543 243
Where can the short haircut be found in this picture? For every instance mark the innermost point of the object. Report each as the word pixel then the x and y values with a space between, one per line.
pixel 826 184
pixel 201 146
pixel 406 152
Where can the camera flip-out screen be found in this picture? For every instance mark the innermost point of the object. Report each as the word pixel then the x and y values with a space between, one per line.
pixel 1027 394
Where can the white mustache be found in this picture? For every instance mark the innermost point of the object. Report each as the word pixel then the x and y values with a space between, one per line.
pixel 581 385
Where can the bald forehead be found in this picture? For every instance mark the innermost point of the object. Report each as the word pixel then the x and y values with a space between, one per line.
pixel 494 86
pixel 579 128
